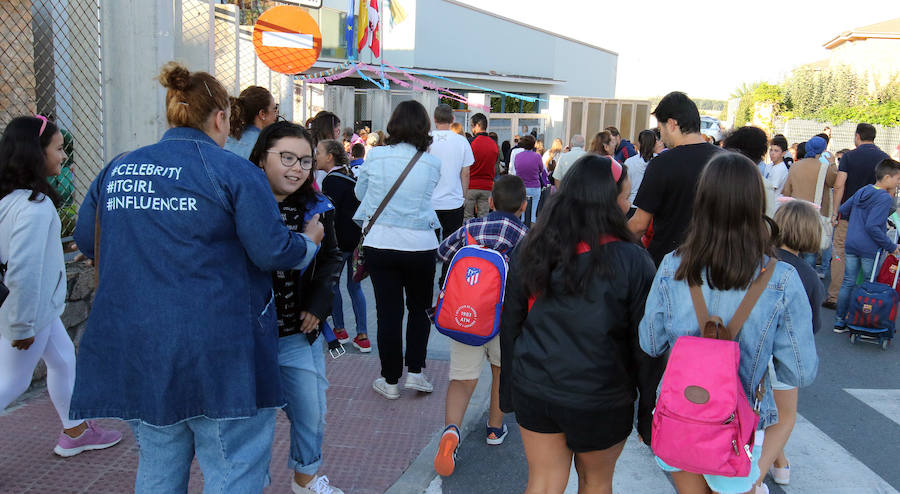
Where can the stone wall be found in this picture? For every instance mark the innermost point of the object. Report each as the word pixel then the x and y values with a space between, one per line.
pixel 79 297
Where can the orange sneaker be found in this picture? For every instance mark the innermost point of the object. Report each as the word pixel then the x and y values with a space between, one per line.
pixel 445 460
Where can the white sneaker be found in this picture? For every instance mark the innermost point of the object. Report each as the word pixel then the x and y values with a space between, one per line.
pixel 761 489
pixel 781 476
pixel 389 391
pixel 417 381
pixel 318 485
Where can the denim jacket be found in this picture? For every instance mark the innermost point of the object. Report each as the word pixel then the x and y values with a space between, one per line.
pixel 243 146
pixel 183 324
pixel 411 205
pixel 779 326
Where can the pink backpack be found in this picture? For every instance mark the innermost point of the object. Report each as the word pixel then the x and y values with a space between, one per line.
pixel 703 422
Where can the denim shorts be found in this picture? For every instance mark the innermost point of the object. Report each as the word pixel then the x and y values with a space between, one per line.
pixel 730 485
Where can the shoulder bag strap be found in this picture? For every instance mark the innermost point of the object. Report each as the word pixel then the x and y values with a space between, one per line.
pixel 820 184
pixel 390 194
pixel 753 293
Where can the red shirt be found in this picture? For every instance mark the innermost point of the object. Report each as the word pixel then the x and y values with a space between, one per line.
pixel 481 173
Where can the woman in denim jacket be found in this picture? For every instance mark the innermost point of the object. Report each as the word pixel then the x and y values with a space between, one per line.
pixel 726 245
pixel 182 338
pixel 400 248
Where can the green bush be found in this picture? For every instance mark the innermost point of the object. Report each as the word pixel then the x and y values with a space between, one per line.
pixel 832 95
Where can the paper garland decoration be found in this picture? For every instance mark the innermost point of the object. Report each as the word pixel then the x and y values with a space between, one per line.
pixel 420 85
pixel 323 73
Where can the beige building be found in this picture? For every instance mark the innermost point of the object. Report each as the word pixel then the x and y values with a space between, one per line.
pixel 873 49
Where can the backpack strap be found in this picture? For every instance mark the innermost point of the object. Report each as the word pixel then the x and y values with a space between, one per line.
pixel 743 311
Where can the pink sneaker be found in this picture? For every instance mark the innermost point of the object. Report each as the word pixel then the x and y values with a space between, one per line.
pixel 93 437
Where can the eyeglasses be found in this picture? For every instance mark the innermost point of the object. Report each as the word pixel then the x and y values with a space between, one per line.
pixel 43 124
pixel 288 160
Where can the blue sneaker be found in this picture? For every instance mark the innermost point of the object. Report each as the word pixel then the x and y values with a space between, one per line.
pixel 495 435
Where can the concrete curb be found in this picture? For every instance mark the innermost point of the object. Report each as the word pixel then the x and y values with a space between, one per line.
pixel 420 474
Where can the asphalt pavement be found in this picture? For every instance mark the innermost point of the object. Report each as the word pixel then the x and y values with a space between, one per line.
pixel 847 438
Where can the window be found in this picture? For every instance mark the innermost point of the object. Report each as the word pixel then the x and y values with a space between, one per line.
pixel 509 104
pixel 333 24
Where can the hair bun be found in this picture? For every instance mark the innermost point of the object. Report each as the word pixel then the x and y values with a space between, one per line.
pixel 174 75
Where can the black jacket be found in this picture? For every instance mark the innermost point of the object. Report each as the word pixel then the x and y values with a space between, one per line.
pixel 314 292
pixel 582 351
pixel 339 188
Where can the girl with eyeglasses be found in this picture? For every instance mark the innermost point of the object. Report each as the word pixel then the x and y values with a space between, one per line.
pixel 303 297
pixel 251 112
pixel 31 150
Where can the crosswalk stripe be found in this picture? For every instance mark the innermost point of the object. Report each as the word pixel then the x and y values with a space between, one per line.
pixel 884 401
pixel 636 471
pixel 820 465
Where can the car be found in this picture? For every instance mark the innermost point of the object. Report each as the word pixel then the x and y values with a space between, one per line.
pixel 710 126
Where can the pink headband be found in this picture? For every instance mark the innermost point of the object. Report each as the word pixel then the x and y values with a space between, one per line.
pixel 616 169
pixel 43 124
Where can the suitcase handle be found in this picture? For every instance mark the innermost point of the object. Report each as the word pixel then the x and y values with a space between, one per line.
pixel 886 254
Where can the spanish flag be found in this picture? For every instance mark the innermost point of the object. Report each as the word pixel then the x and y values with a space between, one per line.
pixel 367 22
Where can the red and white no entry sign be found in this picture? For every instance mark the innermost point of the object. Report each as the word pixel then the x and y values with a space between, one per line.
pixel 287 39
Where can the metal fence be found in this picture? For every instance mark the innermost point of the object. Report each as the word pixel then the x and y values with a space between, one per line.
pixel 798 130
pixel 50 64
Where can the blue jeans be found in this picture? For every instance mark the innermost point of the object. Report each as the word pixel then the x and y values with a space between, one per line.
pixel 233 454
pixel 852 266
pixel 304 384
pixel 810 258
pixel 356 298
pixel 535 194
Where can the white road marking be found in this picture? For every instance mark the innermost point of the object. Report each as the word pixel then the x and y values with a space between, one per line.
pixel 636 471
pixel 821 465
pixel 885 401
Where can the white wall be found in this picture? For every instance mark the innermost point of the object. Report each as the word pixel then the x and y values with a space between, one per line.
pixel 447 37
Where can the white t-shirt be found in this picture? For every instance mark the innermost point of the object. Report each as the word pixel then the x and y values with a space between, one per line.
pixel 455 154
pixel 512 160
pixel 636 168
pixel 777 175
pixel 399 238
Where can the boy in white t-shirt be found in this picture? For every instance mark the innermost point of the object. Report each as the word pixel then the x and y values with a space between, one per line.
pixel 456 156
pixel 776 172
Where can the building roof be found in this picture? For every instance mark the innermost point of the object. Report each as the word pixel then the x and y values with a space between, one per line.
pixel 529 26
pixel 882 30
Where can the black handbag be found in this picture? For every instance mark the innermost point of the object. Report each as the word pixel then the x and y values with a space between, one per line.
pixel 4 291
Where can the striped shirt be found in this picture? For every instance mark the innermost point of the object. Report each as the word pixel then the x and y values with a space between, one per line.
pixel 499 231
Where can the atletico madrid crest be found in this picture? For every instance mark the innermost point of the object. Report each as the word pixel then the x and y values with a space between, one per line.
pixel 472 276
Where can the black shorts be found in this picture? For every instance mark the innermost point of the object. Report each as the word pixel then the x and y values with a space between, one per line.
pixel 585 430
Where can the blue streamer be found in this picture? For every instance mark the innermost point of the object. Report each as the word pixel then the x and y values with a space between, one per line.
pixel 530 99
pixel 384 87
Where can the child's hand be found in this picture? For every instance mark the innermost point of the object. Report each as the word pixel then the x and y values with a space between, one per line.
pixel 314 230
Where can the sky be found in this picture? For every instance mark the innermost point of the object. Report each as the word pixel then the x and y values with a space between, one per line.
pixel 704 48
